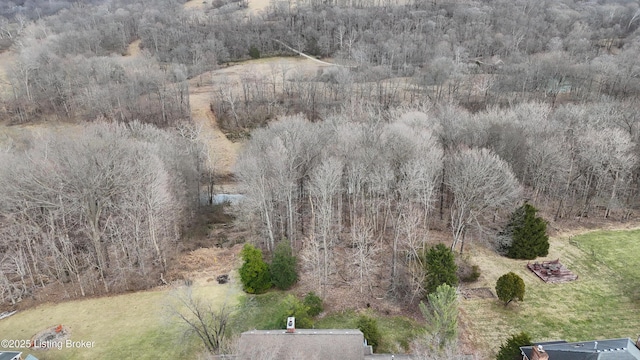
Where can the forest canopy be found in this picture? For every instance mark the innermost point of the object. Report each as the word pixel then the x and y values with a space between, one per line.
pixel 101 209
pixel 447 112
pixel 471 52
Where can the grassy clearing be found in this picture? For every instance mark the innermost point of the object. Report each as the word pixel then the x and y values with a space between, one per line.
pixel 602 303
pixel 126 326
pixel 619 254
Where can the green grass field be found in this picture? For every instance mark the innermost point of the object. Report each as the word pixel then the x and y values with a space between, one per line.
pixel 603 303
pixel 136 325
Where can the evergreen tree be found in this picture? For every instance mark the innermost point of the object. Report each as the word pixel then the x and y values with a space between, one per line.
pixel 283 267
pixel 525 236
pixel 440 266
pixel 369 327
pixel 441 314
pixel 510 350
pixel 254 52
pixel 314 303
pixel 510 287
pixel 254 272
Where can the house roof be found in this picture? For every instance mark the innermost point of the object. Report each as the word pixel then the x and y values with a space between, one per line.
pixel 10 355
pixel 302 344
pixel 612 349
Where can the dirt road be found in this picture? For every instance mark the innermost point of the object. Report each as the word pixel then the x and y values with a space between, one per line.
pixel 222 150
pixel 254 5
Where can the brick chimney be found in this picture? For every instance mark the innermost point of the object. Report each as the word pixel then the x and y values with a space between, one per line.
pixel 539 353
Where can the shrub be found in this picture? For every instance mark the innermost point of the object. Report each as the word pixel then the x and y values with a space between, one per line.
pixel 314 303
pixel 510 287
pixel 510 350
pixel 467 272
pixel 283 267
pixel 254 52
pixel 525 236
pixel 474 275
pixel 254 272
pixel 292 306
pixel 440 266
pixel 369 327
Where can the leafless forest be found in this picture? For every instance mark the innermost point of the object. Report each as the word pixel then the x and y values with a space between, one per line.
pixel 436 112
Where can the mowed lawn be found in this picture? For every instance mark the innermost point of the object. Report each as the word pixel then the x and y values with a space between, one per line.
pixel 130 326
pixel 603 303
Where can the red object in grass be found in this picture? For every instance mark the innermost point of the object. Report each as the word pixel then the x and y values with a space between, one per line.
pixel 58 328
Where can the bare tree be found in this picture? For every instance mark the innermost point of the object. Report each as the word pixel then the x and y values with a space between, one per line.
pixel 201 318
pixel 275 168
pixel 607 156
pixel 100 210
pixel 481 183
pixel 416 157
pixel 324 186
pixel 365 250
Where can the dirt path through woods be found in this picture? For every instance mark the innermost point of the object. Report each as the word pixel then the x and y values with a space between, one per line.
pixel 194 4
pixel 221 149
pixel 203 88
pixel 133 49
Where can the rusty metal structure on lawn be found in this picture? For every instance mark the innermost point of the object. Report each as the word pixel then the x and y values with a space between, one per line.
pixel 552 271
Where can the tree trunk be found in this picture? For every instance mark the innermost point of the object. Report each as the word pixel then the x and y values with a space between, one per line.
pixel 613 196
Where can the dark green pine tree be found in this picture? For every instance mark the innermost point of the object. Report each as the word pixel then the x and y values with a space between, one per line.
pixel 370 330
pixel 283 267
pixel 440 266
pixel 510 350
pixel 526 234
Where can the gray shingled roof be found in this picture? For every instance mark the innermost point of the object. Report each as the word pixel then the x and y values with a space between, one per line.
pixel 612 349
pixel 303 344
pixel 10 355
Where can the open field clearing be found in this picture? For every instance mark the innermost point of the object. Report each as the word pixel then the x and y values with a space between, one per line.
pixel 136 325
pixel 254 5
pixel 203 88
pixel 602 303
pixel 7 60
pixel 258 5
pixel 22 136
pixel 134 48
pixel 194 4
